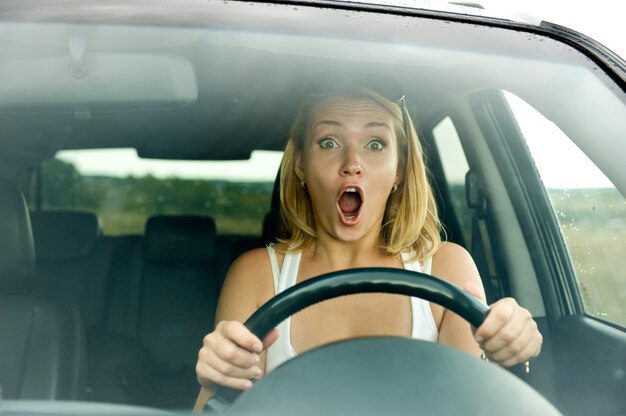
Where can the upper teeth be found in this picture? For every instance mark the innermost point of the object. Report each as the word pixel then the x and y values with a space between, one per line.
pixel 351 190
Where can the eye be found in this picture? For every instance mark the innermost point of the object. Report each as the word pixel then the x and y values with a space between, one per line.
pixel 328 143
pixel 376 145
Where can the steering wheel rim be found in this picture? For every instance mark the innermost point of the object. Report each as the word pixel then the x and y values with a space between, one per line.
pixel 354 281
pixel 361 280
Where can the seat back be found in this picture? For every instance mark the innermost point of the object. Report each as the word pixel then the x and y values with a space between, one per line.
pixel 42 343
pixel 162 299
pixel 180 287
pixel 73 259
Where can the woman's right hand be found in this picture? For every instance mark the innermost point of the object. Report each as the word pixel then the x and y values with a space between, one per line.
pixel 230 356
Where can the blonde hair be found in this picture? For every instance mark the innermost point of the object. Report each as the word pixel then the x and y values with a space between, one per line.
pixel 410 222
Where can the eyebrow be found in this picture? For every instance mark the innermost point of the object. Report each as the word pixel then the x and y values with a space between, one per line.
pixel 378 124
pixel 338 124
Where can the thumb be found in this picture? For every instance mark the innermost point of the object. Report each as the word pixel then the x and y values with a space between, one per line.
pixel 475 290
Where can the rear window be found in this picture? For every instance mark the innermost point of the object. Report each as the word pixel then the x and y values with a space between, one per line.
pixel 124 190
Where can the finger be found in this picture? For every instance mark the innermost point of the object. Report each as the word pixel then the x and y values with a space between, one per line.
pixel 528 347
pixel 232 370
pixel 531 350
pixel 230 352
pixel 225 380
pixel 521 347
pixel 507 337
pixel 521 322
pixel 238 333
pixel 499 316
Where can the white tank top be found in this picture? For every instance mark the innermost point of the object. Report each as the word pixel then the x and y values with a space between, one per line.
pixel 424 327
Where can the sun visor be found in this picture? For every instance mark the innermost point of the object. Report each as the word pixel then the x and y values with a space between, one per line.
pixel 97 81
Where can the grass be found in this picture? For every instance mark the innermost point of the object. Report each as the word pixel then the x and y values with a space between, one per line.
pixel 593 223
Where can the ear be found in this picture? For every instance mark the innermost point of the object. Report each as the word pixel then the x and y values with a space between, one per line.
pixel 399 174
pixel 297 168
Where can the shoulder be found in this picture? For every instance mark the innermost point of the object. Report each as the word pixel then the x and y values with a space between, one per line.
pixel 251 273
pixel 448 251
pixel 453 263
pixel 254 258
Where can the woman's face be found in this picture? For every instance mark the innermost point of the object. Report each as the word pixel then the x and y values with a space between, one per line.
pixel 350 164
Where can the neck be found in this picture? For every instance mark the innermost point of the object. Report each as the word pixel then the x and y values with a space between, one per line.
pixel 346 254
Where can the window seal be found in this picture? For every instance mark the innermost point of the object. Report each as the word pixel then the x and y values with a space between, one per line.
pixel 531 203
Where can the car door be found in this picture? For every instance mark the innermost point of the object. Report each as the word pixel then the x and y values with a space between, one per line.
pixel 573 220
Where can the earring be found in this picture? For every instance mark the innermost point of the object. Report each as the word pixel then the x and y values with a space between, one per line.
pixel 395 187
pixel 303 184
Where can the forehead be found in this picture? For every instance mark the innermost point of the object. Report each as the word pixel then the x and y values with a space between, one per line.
pixel 353 110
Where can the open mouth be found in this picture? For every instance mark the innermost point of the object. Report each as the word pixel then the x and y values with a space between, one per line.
pixel 350 203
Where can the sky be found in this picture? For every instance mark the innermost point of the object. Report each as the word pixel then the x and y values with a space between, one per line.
pixel 603 20
pixel 261 167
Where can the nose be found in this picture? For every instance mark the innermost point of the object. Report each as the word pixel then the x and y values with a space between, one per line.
pixel 352 164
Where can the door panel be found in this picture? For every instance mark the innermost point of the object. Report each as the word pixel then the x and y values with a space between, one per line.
pixel 590 360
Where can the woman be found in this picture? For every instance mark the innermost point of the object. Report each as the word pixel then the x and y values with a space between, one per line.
pixel 354 193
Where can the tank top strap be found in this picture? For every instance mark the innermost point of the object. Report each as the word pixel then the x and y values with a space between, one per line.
pixel 289 272
pixel 424 326
pixel 285 277
pixel 416 265
pixel 428 265
pixel 274 263
pixel 282 350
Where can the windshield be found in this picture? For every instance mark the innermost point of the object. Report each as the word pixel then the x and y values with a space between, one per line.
pixel 147 142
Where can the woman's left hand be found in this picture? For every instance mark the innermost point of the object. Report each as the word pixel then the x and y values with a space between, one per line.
pixel 509 334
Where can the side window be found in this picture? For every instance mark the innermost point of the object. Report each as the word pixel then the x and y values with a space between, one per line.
pixel 124 190
pixel 474 226
pixel 455 168
pixel 590 210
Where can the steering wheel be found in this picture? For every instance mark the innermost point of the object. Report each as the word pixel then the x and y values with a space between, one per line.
pixel 338 378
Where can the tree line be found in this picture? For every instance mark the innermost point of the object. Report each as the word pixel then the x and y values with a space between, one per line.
pixel 124 203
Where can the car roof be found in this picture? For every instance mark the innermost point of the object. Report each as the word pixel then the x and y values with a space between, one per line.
pixel 246 69
pixel 492 10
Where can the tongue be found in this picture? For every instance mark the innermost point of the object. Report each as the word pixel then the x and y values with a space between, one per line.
pixel 349 202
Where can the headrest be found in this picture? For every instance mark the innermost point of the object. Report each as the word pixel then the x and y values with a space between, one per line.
pixel 180 239
pixel 64 235
pixel 17 253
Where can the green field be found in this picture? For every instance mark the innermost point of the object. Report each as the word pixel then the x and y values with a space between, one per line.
pixel 124 204
pixel 593 222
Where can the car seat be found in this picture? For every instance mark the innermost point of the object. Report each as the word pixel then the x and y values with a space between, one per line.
pixel 42 343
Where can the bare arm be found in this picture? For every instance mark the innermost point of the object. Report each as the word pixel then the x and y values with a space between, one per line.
pixel 509 335
pixel 454 264
pixel 231 355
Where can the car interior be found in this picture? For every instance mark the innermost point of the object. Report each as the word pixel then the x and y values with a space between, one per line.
pixel 119 318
